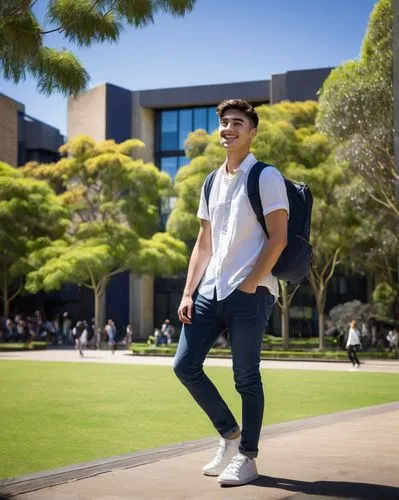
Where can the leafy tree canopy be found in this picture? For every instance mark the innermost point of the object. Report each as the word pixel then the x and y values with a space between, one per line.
pixel 113 204
pixel 356 109
pixel 31 216
pixel 24 34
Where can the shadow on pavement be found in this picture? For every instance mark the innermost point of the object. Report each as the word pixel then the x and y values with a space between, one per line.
pixel 337 489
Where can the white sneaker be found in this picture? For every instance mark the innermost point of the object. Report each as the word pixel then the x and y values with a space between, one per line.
pixel 226 451
pixel 241 470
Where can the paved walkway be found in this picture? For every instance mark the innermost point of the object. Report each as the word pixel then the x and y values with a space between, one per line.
pixel 125 357
pixel 351 455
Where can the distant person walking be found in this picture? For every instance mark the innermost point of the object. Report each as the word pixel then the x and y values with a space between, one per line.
pixel 78 335
pixel 393 341
pixel 110 331
pixel 129 335
pixel 65 328
pixel 167 331
pixel 353 344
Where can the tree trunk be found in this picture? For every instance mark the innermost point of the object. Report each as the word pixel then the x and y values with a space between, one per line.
pixel 285 316
pixel 285 324
pixel 320 293
pixel 6 301
pixel 98 310
pixel 321 330
pixel 396 101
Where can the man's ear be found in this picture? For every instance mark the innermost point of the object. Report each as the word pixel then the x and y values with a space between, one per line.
pixel 253 133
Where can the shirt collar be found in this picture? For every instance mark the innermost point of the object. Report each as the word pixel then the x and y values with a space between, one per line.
pixel 248 161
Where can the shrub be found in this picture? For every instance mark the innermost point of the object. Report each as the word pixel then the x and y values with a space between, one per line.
pixel 343 314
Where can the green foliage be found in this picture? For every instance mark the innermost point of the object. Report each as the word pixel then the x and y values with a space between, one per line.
pixel 287 134
pixel 31 216
pixel 297 354
pixel 113 205
pixel 196 143
pixel 342 314
pixel 356 109
pixel 183 222
pixel 11 347
pixel 81 22
pixel 373 243
pixel 384 296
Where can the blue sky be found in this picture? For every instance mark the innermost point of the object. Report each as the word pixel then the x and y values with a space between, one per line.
pixel 221 41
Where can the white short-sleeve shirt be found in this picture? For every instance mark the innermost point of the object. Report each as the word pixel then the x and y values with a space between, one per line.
pixel 237 236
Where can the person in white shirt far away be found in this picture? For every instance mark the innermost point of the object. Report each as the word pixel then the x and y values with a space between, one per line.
pixel 229 285
pixel 353 344
pixel 393 341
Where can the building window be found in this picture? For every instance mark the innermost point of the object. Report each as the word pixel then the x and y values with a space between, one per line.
pixel 183 160
pixel 200 118
pixel 169 130
pixel 213 120
pixel 174 125
pixel 169 165
pixel 185 125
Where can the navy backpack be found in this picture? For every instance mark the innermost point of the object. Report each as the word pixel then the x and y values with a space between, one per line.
pixel 294 263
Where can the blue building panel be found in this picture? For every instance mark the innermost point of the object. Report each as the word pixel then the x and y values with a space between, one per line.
pixel 117 301
pixel 118 114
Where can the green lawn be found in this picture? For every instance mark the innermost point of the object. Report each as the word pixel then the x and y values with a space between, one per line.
pixel 55 414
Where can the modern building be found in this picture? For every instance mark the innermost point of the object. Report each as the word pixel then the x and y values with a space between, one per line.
pixel 162 119
pixel 23 138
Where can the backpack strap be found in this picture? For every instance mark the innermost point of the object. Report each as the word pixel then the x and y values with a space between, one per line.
pixel 254 193
pixel 208 186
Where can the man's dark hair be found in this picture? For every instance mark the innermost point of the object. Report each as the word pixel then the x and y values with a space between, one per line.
pixel 239 105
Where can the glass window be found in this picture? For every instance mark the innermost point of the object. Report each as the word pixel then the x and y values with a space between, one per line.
pixel 169 131
pixel 200 118
pixel 169 165
pixel 213 120
pixel 183 160
pixel 185 125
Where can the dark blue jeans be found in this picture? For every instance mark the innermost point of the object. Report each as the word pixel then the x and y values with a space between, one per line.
pixel 246 316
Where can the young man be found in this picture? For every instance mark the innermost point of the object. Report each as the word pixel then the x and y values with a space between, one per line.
pixel 232 262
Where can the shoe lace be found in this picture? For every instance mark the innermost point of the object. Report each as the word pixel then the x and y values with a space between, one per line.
pixel 220 452
pixel 236 463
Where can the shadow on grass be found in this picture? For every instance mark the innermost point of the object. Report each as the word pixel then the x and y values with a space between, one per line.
pixel 337 489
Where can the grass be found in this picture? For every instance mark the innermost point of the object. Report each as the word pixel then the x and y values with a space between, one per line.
pixel 56 414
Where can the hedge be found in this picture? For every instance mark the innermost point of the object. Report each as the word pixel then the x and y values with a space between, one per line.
pixel 143 350
pixel 9 346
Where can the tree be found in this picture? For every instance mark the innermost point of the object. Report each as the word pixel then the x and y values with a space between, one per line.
pixel 287 137
pixel 384 296
pixel 374 242
pixel 183 222
pixel 342 314
pixel 196 143
pixel 330 236
pixel 287 293
pixel 30 218
pixel 356 109
pixel 81 22
pixel 113 201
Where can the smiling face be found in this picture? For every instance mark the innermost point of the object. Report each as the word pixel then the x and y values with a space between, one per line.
pixel 236 131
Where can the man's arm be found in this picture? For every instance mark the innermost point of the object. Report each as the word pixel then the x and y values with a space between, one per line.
pixel 276 223
pixel 199 260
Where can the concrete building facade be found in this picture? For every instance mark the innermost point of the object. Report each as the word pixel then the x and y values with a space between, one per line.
pixel 23 138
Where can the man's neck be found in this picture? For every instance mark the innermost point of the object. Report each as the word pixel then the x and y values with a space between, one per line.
pixel 234 160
